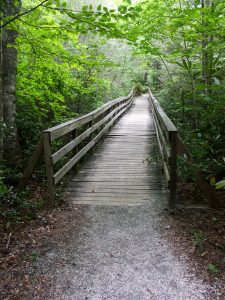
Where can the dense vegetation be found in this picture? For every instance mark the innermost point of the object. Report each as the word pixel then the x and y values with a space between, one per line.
pixel 184 42
pixel 61 59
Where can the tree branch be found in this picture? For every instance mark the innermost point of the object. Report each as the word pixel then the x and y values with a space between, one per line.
pixel 22 14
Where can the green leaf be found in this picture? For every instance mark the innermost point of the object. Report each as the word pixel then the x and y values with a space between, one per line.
pixel 185 65
pixel 212 180
pixel 216 80
pixel 3 189
pixel 85 8
pixel 122 9
pixel 99 7
pixel 213 268
pixel 220 184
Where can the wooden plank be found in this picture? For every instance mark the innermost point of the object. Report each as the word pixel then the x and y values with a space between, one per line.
pixel 85 190
pixel 118 176
pixel 95 195
pixel 139 164
pixel 113 167
pixel 124 154
pixel 38 152
pixel 157 183
pixel 119 199
pixel 110 199
pixel 127 184
pixel 116 166
pixel 108 203
pixel 115 172
pixel 113 185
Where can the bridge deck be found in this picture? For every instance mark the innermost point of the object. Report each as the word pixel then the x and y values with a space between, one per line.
pixel 119 173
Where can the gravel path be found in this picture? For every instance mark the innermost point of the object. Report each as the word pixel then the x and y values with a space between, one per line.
pixel 119 253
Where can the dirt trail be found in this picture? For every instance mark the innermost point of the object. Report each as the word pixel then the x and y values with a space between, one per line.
pixel 118 253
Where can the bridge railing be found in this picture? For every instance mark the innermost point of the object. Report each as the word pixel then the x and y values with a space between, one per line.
pixel 76 137
pixel 167 138
pixel 170 146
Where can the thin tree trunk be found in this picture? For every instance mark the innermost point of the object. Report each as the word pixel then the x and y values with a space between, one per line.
pixel 11 149
pixel 167 69
pixel 205 58
pixel 1 100
pixel 206 53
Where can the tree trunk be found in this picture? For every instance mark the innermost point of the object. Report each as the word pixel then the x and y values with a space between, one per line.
pixel 11 148
pixel 1 101
pixel 207 54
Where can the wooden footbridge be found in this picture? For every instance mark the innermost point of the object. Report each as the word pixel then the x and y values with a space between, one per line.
pixel 119 173
pixel 126 144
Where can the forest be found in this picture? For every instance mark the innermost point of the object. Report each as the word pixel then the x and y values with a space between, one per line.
pixel 62 59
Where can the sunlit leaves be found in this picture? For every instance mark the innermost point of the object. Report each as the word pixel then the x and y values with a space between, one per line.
pixel 220 185
pixel 122 9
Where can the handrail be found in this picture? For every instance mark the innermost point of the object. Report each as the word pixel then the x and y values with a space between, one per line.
pixel 81 134
pixel 166 134
pixel 61 129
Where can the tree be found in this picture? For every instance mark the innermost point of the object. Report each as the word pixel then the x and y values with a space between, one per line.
pixel 188 38
pixel 9 141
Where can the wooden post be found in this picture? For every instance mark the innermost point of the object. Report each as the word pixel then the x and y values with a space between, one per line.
pixel 49 165
pixel 92 135
pixel 173 169
pixel 111 109
pixel 76 150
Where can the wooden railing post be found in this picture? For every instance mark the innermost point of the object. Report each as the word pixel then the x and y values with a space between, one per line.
pixel 76 149
pixel 173 169
pixel 92 136
pixel 49 165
